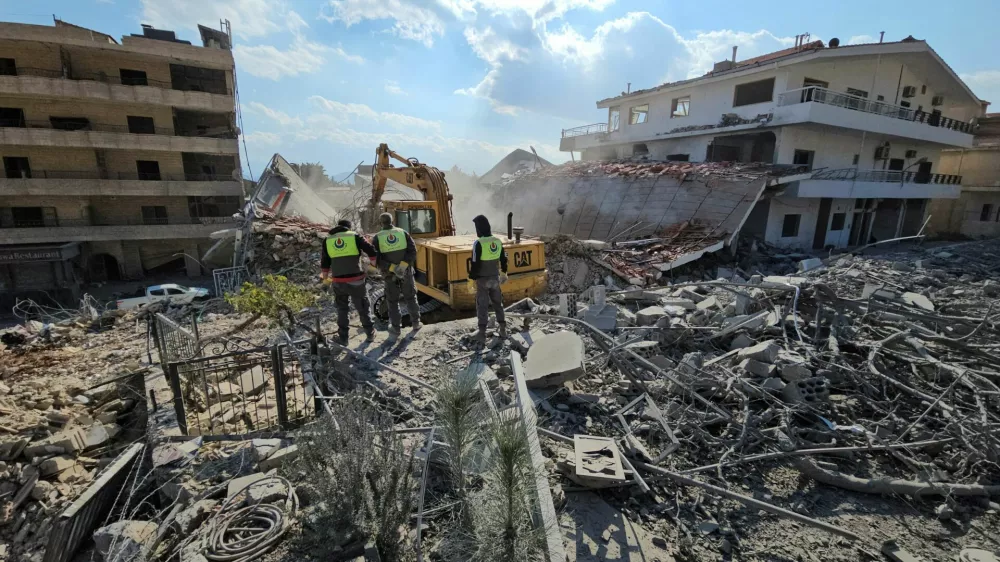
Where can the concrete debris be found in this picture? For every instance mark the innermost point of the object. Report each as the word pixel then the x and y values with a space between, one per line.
pixel 125 540
pixel 555 359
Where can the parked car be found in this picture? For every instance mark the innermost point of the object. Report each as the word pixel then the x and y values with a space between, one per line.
pixel 175 294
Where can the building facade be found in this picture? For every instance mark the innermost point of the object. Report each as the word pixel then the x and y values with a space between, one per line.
pixel 119 159
pixel 976 213
pixel 869 121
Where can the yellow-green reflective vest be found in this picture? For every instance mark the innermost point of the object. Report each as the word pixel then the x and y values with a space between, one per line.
pixel 392 244
pixel 343 251
pixel 492 249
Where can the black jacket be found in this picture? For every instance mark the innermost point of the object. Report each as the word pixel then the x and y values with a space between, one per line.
pixel 483 229
pixel 410 256
pixel 363 246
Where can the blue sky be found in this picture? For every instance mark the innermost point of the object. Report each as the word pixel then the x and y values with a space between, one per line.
pixel 464 82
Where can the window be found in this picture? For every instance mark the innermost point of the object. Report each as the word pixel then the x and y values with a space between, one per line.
pixel 148 170
pixel 69 123
pixel 156 292
pixel 790 226
pixel 753 92
pixel 15 167
pixel 173 291
pixel 417 221
pixel 923 89
pixel 8 67
pixel 133 77
pixel 855 160
pixel 678 157
pixel 11 117
pixel 880 97
pixel 154 214
pixel 904 104
pixel 856 92
pixel 33 217
pixel 613 118
pixel 804 158
pixel 837 222
pixel 213 206
pixel 638 114
pixel 639 149
pixel 987 211
pixel 141 125
pixel 680 107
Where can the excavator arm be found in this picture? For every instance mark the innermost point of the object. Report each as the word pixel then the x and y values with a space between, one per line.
pixel 426 179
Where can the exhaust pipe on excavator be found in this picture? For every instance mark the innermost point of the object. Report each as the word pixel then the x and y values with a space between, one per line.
pixel 510 226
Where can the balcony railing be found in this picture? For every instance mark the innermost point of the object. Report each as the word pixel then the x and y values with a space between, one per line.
pixel 839 99
pixel 101 77
pixel 149 221
pixel 102 127
pixel 125 176
pixel 887 176
pixel 585 130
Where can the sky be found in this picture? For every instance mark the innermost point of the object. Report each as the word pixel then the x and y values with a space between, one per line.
pixel 464 82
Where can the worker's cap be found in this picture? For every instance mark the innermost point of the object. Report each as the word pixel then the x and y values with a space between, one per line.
pixel 385 219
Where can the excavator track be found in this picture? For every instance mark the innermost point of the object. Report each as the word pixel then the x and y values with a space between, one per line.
pixel 380 304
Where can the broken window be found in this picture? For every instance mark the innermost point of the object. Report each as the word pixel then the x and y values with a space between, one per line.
pixel 8 67
pixel 680 107
pixel 11 117
pixel 70 123
pixel 33 217
pixel 638 114
pixel 141 125
pixel 148 170
pixel 613 118
pixel 154 214
pixel 640 149
pixel 753 92
pixel 987 211
pixel 133 77
pixel 838 220
pixel 678 157
pixel 16 167
pixel 790 226
pixel 213 206
pixel 804 158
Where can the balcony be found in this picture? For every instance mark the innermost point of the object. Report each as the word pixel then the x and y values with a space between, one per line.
pixel 588 134
pixel 85 134
pixel 91 183
pixel 44 83
pixel 889 184
pixel 83 230
pixel 828 107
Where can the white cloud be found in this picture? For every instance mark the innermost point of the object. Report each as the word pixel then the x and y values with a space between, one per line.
pixel 410 21
pixel 249 18
pixel 985 84
pixel 490 47
pixel 268 61
pixel 360 112
pixel 392 87
pixel 859 39
pixel 280 117
pixel 262 138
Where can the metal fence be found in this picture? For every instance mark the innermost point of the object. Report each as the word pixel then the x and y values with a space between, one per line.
pixel 242 392
pixel 173 341
pixel 229 279
pixel 75 525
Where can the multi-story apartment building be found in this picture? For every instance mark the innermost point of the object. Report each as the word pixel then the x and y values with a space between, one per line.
pixel 119 159
pixel 870 121
pixel 976 212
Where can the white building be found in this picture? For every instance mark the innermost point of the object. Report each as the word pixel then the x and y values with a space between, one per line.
pixel 870 121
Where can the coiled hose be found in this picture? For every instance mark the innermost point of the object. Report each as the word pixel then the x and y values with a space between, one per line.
pixel 246 533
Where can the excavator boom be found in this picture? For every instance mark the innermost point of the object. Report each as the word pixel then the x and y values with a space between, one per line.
pixel 416 175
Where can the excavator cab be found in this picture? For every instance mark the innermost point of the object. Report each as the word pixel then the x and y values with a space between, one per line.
pixel 419 218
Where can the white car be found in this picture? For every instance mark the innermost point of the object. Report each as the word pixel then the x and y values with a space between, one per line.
pixel 176 294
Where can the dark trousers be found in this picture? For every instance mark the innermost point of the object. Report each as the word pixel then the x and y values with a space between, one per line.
pixel 343 295
pixel 488 294
pixel 405 289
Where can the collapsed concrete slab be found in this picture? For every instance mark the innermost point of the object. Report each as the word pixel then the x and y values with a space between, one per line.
pixel 555 359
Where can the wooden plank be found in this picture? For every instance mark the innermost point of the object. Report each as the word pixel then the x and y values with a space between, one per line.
pixel 555 552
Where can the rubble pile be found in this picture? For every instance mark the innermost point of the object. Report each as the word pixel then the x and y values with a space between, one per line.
pixel 573 265
pixel 281 243
pixel 874 375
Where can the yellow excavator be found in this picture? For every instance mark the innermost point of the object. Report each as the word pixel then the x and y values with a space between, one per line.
pixel 444 258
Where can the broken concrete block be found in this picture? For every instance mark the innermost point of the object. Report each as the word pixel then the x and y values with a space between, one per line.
pixel 70 440
pixel 918 300
pixel 236 485
pixel 676 311
pixel 757 368
pixel 991 288
pixel 773 383
pixel 686 304
pixel 254 381
pixel 604 318
pixel 43 491
pixel 810 264
pixel 580 276
pixel 766 351
pixel 795 372
pixel 189 519
pixel 64 468
pixel 264 448
pixel 741 341
pixel 708 303
pixel 807 391
pixel 555 359
pixel 649 315
pixel 279 457
pixel 597 461
pixel 96 436
pixel 644 349
pixel 125 540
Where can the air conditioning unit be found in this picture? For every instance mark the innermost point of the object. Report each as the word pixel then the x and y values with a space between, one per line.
pixel 909 91
pixel 937 100
pixel 911 153
pixel 882 152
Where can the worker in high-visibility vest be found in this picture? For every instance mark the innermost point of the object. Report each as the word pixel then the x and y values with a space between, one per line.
pixel 395 255
pixel 341 269
pixel 487 272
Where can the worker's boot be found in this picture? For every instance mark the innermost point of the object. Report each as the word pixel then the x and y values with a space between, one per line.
pixel 415 327
pixel 341 339
pixel 503 330
pixel 480 339
pixel 393 332
pixel 370 334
